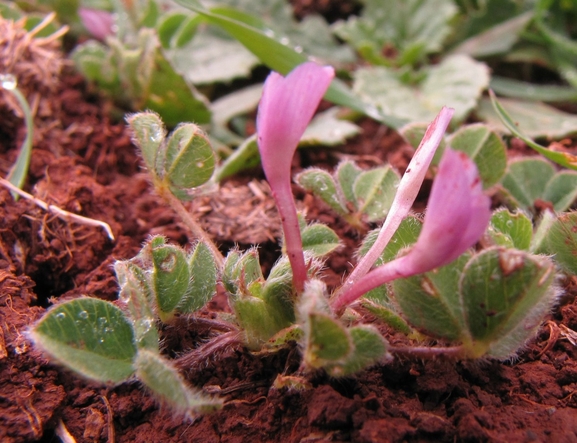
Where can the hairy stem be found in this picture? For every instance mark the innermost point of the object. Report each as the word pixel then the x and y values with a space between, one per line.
pixel 427 352
pixel 190 223
pixel 292 234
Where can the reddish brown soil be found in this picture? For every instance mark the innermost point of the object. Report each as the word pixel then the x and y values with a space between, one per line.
pixel 85 163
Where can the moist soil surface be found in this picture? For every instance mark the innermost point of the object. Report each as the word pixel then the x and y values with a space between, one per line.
pixel 84 162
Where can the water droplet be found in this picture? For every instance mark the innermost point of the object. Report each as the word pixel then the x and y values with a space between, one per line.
pixel 285 41
pixel 269 33
pixel 144 325
pixel 509 223
pixel 8 81
pixel 102 321
pixel 298 49
pixel 200 165
pixel 108 330
pixel 83 315
pixel 155 133
pixel 61 316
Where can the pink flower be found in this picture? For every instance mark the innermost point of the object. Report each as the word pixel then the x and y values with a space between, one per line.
pixel 405 196
pixel 286 108
pixel 457 215
pixel 99 23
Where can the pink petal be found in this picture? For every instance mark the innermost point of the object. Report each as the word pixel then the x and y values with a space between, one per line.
pixel 405 197
pixel 457 213
pixel 99 23
pixel 286 108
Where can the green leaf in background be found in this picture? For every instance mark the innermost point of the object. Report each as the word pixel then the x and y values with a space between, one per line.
pixel 512 230
pixel 319 240
pixel 375 190
pixel 456 82
pixel 176 29
pixel 90 336
pixel 485 148
pixel 498 39
pixel 323 185
pixel 505 293
pixel 531 179
pixel 561 190
pixel 561 241
pixel 311 35
pixel 158 375
pixel 224 109
pixel 249 31
pixel 327 129
pixel 136 75
pixel 212 57
pixel 513 88
pixel 412 28
pixel 430 301
pixel 554 23
pixel 543 119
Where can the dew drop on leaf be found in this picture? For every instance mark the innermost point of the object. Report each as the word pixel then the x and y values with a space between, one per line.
pixel 83 315
pixel 8 81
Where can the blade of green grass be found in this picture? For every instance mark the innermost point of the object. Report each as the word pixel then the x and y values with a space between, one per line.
pixel 19 171
pixel 561 158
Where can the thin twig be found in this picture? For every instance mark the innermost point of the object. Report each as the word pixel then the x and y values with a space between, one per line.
pixel 61 213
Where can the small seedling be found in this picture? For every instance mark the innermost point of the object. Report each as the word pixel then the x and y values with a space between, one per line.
pixel 424 278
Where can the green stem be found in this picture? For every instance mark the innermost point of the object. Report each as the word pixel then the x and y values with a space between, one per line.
pixel 190 222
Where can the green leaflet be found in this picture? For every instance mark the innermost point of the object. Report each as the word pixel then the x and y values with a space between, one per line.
pixel 90 336
pixel 505 294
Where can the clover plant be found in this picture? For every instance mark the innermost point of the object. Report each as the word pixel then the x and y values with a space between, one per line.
pixel 473 279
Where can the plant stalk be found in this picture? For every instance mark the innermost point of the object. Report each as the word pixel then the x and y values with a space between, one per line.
pixel 190 223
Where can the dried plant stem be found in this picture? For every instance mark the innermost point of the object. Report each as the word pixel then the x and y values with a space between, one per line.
pixel 61 213
pixel 191 223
